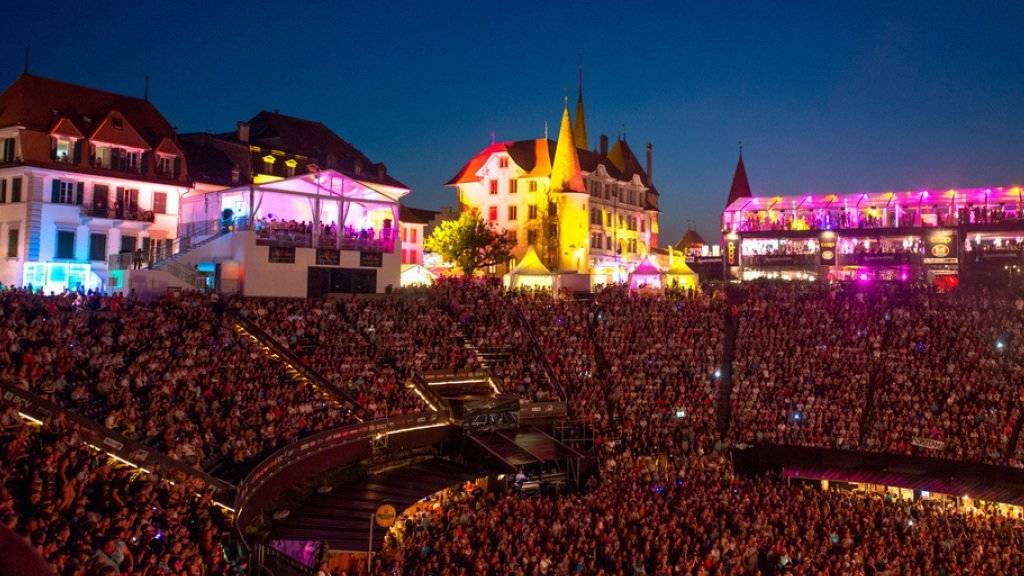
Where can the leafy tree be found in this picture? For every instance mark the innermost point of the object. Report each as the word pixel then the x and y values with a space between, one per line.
pixel 470 242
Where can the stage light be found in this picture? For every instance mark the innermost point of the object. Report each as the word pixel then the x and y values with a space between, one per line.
pixel 1000 345
pixel 718 373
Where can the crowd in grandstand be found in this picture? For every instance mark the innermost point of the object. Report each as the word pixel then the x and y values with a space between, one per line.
pixel 87 514
pixel 898 369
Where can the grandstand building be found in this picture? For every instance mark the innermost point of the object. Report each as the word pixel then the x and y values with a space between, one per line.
pixel 930 235
pixel 85 175
pixel 589 212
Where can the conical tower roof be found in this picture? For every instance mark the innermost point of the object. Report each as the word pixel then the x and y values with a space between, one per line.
pixel 579 130
pixel 740 185
pixel 565 170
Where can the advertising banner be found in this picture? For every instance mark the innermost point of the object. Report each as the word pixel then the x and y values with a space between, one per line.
pixel 941 247
pixel 827 249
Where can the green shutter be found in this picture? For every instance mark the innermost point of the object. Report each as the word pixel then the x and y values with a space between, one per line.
pixel 55 191
pixel 3 191
pixel 80 193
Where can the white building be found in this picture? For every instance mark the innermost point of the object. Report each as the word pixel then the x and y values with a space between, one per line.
pixel 85 175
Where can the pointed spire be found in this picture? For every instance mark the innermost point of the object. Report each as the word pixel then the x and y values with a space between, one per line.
pixel 565 170
pixel 580 127
pixel 740 185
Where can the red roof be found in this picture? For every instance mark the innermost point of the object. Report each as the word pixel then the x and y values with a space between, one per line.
pixel 36 103
pixel 740 186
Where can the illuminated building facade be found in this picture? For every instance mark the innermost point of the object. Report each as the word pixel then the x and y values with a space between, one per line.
pixel 932 235
pixel 85 175
pixel 591 212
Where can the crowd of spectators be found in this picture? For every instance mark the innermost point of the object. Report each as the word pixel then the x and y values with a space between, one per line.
pixel 693 515
pixel 494 327
pixel 172 374
pixel 663 355
pixel 331 337
pixel 86 514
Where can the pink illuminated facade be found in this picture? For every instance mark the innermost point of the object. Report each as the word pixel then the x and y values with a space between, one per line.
pixel 928 235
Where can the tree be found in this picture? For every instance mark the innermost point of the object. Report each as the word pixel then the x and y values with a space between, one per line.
pixel 470 242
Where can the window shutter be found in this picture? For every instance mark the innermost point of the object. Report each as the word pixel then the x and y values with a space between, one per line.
pixel 177 167
pixel 3 191
pixel 78 151
pixel 55 191
pixel 16 189
pixel 80 193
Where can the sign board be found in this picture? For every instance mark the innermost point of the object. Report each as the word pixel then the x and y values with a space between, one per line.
pixel 941 247
pixel 732 252
pixel 385 515
pixel 371 259
pixel 827 249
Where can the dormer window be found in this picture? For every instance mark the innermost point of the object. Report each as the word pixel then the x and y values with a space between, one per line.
pixel 116 122
pixel 268 164
pixel 118 158
pixel 236 175
pixel 165 165
pixel 503 162
pixel 64 150
pixel 289 167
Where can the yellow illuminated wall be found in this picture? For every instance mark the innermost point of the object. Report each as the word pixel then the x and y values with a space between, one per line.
pixel 573 232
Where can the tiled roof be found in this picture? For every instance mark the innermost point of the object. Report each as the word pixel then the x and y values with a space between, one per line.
pixel 38 103
pixel 416 215
pixel 740 185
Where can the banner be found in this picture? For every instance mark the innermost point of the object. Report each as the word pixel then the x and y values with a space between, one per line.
pixel 827 249
pixel 941 247
pixel 732 251
pixel 928 443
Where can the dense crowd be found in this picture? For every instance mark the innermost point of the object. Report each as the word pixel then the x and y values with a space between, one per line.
pixel 172 374
pixel 86 514
pixel 692 515
pixel 496 328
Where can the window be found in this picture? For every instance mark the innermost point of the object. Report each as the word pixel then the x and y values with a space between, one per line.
pixel 16 189
pixel 127 243
pixel 268 164
pixel 595 216
pixel 607 242
pixel 160 202
pixel 412 235
pixel 12 243
pixel 493 187
pixel 595 241
pixel 532 212
pixel 643 225
pixel 512 213
pixel 65 150
pixel 533 185
pixel 65 245
pixel 3 190
pixel 165 165
pixel 117 122
pixel 531 236
pixel 97 247
pixel 492 214
pixel 100 197
pixel 552 209
pixel 503 162
pixel 511 235
pixel 289 167
pixel 513 186
pixel 597 189
pixel 66 192
pixel 8 150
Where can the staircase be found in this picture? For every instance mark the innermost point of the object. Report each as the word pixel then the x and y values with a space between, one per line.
pixel 174 265
pixel 298 370
pixel 723 403
pixel 553 379
pixel 486 359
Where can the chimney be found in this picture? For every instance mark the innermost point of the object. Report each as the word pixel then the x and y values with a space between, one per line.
pixel 382 171
pixel 604 144
pixel 650 162
pixel 242 132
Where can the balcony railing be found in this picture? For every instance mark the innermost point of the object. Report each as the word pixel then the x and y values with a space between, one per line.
pixel 130 213
pixel 752 223
pixel 298 239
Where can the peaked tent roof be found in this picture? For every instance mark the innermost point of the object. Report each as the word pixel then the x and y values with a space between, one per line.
pixel 531 265
pixel 678 265
pixel 740 186
pixel 646 268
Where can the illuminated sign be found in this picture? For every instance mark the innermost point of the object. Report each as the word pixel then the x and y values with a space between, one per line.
pixel 941 247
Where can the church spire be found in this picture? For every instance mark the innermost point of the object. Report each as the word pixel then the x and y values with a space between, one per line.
pixel 580 128
pixel 565 170
pixel 740 185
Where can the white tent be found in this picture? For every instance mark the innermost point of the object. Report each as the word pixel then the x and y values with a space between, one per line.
pixel 645 275
pixel 530 273
pixel 416 275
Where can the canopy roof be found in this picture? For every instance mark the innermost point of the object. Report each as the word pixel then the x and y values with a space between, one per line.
pixel 330 184
pixel 908 198
pixel 678 266
pixel 531 265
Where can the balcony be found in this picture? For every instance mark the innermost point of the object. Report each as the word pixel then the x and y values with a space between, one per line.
pixel 781 260
pixel 385 243
pixel 131 213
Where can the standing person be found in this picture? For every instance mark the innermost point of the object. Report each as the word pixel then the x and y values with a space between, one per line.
pixel 137 259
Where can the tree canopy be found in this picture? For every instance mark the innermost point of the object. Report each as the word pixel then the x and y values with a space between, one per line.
pixel 470 242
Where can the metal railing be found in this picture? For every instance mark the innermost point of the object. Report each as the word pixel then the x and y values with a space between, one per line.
pixel 130 213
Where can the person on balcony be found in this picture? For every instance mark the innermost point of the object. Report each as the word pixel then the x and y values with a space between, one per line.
pixel 137 259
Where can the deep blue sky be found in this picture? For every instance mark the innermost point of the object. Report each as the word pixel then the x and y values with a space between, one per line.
pixel 825 98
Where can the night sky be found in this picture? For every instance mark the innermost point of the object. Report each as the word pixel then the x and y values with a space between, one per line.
pixel 824 98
